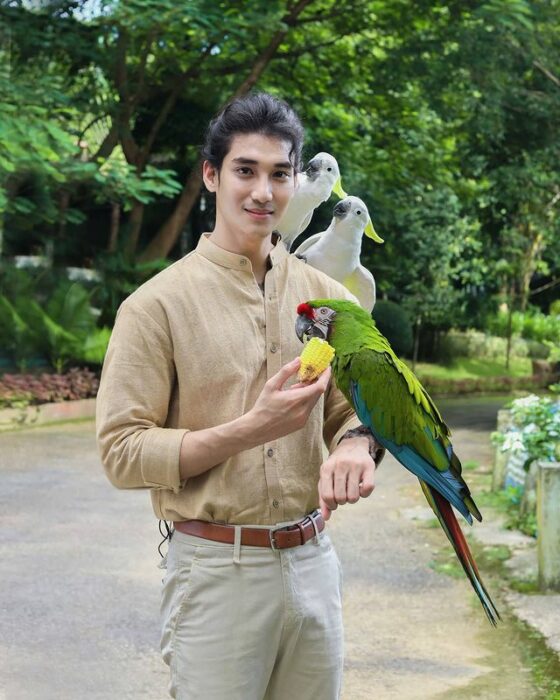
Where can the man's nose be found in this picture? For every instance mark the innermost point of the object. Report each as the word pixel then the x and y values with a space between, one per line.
pixel 263 190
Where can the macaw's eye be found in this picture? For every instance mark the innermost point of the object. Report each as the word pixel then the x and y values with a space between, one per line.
pixel 329 169
pixel 323 311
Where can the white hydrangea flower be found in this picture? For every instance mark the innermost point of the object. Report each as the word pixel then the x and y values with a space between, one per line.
pixel 527 401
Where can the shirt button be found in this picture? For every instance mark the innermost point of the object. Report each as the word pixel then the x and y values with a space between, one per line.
pixel 273 347
pixel 270 452
pixel 275 503
pixel 242 261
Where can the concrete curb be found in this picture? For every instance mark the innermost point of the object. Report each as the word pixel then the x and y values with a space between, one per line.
pixel 46 413
pixel 540 610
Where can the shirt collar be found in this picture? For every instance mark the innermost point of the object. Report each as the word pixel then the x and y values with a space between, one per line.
pixel 225 258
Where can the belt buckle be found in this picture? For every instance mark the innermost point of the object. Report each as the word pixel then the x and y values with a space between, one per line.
pixel 315 514
pixel 271 532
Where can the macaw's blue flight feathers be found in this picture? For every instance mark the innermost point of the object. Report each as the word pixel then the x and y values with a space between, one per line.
pixel 389 399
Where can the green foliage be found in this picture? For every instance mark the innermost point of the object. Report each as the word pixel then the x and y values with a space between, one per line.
pixel 537 351
pixel 482 385
pixel 120 278
pixel 535 429
pixel 507 501
pixel 532 324
pixel 118 181
pixel 395 325
pixel 49 317
pixel 474 368
pixel 444 118
pixel 476 344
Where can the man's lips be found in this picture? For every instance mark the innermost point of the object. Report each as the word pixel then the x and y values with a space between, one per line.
pixel 259 213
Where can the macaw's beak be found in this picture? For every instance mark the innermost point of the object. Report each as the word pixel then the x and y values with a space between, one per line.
pixel 303 326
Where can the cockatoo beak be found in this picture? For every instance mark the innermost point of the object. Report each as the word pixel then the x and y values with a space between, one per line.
pixel 370 232
pixel 337 189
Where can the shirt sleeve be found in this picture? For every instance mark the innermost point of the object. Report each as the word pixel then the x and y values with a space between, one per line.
pixel 137 380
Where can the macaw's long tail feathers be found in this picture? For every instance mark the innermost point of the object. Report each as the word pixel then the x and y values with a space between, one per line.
pixel 444 481
pixel 468 500
pixel 448 521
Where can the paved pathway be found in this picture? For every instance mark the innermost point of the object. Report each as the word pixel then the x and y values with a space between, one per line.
pixel 80 584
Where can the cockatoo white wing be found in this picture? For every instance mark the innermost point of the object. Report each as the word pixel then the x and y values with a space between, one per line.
pixel 308 243
pixel 362 285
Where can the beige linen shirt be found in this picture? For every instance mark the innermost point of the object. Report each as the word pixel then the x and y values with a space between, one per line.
pixel 191 349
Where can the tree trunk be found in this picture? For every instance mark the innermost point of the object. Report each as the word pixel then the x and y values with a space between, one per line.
pixel 114 229
pixel 167 236
pixel 416 342
pixel 134 227
pixel 161 245
pixel 63 205
pixel 532 255
pixel 509 323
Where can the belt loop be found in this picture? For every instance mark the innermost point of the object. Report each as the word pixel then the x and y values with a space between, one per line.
pixel 315 529
pixel 237 544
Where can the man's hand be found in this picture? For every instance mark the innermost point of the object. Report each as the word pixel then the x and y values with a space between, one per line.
pixel 346 476
pixel 280 410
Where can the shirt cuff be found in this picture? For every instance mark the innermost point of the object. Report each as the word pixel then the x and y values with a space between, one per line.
pixel 161 449
pixel 353 422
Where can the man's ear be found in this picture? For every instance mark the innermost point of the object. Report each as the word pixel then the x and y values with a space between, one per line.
pixel 210 176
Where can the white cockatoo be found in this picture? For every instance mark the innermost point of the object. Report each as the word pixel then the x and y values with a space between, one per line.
pixel 336 251
pixel 315 184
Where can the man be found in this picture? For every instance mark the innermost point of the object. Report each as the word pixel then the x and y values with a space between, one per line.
pixel 198 403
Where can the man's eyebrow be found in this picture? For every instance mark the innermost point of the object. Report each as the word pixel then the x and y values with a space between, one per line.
pixel 249 161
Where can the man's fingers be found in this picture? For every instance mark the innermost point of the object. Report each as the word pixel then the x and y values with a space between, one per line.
pixel 324 377
pixel 284 373
pixel 340 484
pixel 315 388
pixel 326 493
pixel 353 489
pixel 367 484
pixel 325 510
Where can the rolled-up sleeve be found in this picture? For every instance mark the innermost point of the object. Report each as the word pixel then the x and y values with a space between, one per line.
pixel 136 449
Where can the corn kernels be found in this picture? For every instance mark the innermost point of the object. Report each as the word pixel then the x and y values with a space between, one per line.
pixel 315 358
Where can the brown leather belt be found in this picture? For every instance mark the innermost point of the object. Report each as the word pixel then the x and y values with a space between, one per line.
pixel 277 538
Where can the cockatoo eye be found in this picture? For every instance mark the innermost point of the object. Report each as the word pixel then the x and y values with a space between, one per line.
pixel 329 169
pixel 358 212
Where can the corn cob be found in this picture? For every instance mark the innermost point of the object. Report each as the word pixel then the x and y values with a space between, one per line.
pixel 315 358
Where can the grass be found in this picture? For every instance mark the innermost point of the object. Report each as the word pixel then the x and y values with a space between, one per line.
pixel 472 368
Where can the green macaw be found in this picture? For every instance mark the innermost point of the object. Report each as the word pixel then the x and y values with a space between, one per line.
pixel 389 399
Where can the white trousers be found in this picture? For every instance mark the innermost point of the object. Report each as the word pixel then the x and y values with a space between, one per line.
pixel 268 627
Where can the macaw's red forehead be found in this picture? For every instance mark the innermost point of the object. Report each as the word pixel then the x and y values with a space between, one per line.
pixel 306 310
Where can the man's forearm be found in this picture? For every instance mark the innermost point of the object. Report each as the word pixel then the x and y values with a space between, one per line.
pixel 203 449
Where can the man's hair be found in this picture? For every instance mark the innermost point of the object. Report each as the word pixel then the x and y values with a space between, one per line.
pixel 255 113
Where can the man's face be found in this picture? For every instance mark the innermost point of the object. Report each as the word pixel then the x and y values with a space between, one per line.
pixel 254 186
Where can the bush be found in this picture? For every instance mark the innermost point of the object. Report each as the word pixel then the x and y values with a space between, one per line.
pixel 43 317
pixel 484 385
pixel 538 351
pixel 476 344
pixel 395 325
pixel 532 325
pixel 25 389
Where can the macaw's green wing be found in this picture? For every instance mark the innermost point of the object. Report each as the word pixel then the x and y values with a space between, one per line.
pixel 391 401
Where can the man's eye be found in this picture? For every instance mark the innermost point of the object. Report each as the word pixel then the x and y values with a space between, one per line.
pixel 282 174
pixel 244 170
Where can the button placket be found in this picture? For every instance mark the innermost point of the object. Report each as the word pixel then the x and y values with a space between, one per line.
pixel 273 365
